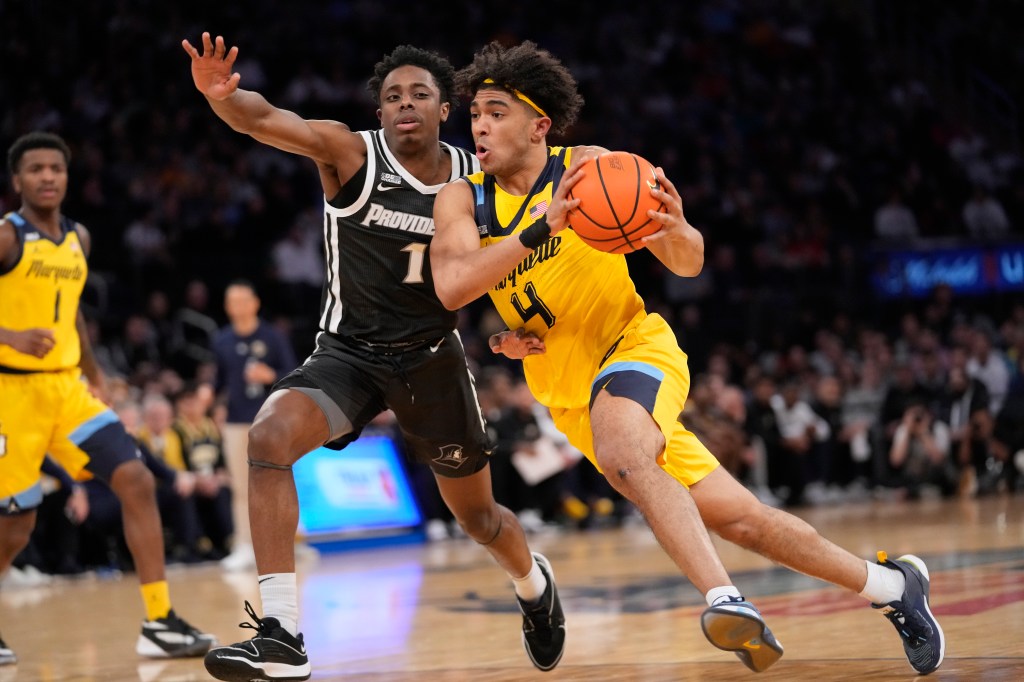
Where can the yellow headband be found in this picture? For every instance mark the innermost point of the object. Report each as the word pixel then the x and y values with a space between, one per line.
pixel 520 96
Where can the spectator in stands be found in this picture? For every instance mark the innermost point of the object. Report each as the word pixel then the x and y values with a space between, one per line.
pixel 203 454
pixel 894 221
pixel 920 454
pixel 984 215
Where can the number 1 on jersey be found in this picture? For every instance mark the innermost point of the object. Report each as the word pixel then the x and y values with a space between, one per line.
pixel 416 257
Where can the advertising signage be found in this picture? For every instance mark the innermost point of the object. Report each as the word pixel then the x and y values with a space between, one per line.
pixel 967 270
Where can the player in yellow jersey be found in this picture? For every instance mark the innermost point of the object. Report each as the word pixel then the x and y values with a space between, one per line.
pixel 612 375
pixel 46 407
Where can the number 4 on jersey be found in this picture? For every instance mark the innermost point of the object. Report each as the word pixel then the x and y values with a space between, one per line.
pixel 537 306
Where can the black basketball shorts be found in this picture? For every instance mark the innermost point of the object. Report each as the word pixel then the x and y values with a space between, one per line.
pixel 429 388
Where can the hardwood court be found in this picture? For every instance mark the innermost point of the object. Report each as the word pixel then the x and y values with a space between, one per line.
pixel 443 612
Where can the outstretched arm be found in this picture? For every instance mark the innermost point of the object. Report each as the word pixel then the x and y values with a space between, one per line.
pixel 326 142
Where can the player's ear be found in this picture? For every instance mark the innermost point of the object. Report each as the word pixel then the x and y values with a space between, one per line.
pixel 379 114
pixel 446 109
pixel 541 126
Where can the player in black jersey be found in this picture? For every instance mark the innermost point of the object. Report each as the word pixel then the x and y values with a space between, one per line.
pixel 386 342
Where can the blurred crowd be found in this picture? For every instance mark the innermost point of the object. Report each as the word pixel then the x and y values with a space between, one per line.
pixel 799 136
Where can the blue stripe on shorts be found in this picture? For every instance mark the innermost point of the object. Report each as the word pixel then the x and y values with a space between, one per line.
pixel 86 430
pixel 636 381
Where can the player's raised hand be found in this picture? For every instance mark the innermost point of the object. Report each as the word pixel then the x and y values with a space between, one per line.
pixel 671 218
pixel 211 71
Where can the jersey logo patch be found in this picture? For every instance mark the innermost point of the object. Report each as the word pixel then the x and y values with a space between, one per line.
pixel 451 456
pixel 381 187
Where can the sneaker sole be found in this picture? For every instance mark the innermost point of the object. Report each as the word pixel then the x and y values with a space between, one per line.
pixel 734 632
pixel 238 671
pixel 919 564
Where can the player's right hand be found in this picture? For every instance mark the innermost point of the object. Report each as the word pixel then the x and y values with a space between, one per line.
pixel 36 342
pixel 516 345
pixel 211 71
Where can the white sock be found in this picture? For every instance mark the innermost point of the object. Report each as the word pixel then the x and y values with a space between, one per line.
pixel 279 594
pixel 884 584
pixel 724 593
pixel 531 586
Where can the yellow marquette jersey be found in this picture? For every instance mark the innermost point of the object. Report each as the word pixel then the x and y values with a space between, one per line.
pixel 577 299
pixel 42 291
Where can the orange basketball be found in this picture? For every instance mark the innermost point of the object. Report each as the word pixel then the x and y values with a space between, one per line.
pixel 615 195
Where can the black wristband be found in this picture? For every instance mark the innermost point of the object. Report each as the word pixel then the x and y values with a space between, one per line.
pixel 536 234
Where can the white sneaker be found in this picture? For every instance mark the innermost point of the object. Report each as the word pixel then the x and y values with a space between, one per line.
pixel 25 578
pixel 240 559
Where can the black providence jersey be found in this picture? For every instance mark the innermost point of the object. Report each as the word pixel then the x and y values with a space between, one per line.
pixel 379 287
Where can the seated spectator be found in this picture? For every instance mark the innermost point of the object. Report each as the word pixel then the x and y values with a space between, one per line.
pixel 157 435
pixel 984 215
pixel 802 433
pixel 894 221
pixel 920 455
pixel 202 453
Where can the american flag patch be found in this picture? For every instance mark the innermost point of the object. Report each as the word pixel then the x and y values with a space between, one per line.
pixel 539 210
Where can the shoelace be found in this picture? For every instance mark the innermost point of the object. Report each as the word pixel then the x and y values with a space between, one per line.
pixel 538 619
pixel 260 627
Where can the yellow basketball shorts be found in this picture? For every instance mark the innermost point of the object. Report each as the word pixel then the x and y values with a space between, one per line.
pixel 43 413
pixel 648 367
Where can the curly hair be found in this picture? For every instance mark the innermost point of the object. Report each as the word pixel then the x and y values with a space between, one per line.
pixel 407 55
pixel 35 140
pixel 533 71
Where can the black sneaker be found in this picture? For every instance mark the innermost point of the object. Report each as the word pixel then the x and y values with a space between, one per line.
pixel 272 654
pixel 923 641
pixel 737 626
pixel 172 637
pixel 544 623
pixel 7 656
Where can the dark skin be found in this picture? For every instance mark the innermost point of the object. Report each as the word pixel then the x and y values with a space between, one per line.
pixel 290 423
pixel 41 181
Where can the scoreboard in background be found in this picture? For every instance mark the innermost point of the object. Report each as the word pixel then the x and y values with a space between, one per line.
pixel 968 270
pixel 361 490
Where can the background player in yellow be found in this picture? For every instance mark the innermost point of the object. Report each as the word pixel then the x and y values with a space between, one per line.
pixel 612 375
pixel 46 407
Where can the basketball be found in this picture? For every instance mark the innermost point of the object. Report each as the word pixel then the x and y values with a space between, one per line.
pixel 615 196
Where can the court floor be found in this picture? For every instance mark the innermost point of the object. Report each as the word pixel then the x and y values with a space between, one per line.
pixel 444 612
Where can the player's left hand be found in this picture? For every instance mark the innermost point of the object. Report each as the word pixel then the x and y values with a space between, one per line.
pixel 672 220
pixel 516 345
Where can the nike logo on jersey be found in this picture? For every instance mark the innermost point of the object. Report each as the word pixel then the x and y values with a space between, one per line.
pixel 433 349
pixel 381 187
